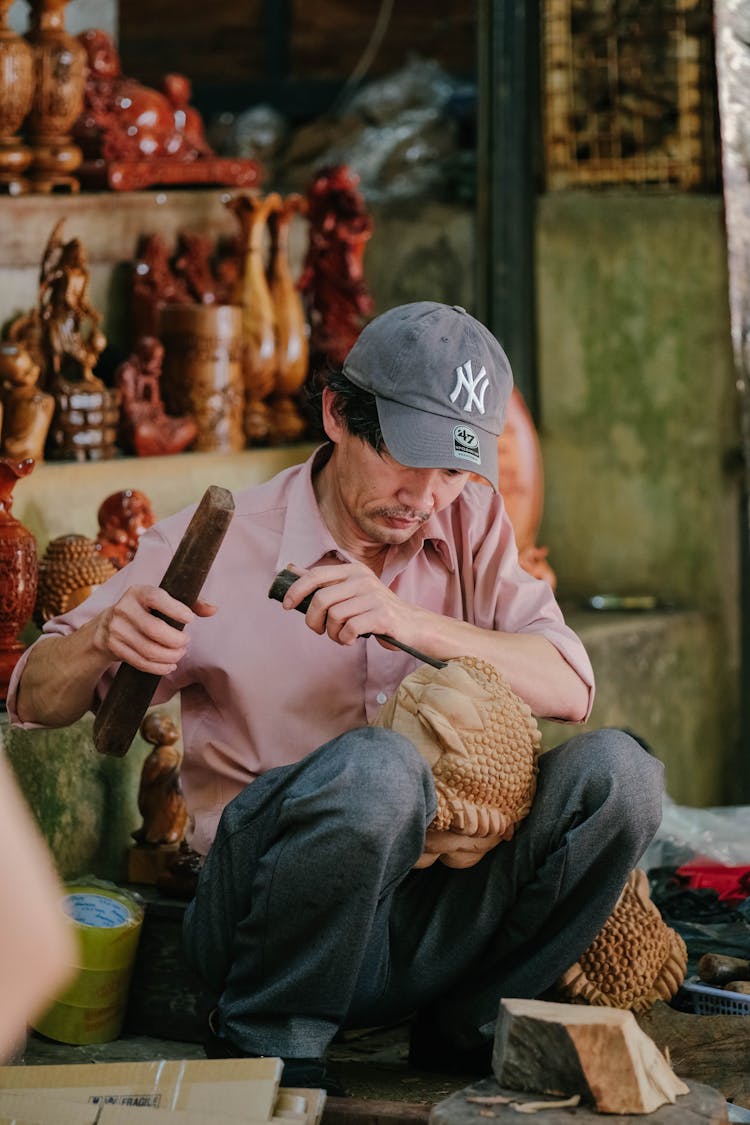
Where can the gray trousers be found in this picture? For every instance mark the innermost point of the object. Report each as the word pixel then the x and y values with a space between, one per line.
pixel 309 917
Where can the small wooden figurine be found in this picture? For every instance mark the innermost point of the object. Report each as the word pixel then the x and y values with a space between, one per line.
pixel 160 802
pixel 18 570
pixel 154 284
pixel 258 318
pixel 26 411
pixel 333 286
pixel 192 263
pixel 145 427
pixel 123 517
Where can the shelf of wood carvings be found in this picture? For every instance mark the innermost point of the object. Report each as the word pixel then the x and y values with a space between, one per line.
pixel 63 497
pixel 109 225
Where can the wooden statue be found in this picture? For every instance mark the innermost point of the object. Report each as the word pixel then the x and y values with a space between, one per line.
pixel 332 283
pixel 26 411
pixel 134 136
pixel 16 96
pixel 68 320
pixel 59 76
pixel 192 263
pixel 145 427
pixel 160 799
pixel 18 570
pixel 123 517
pixel 292 348
pixel 154 284
pixel 69 570
pixel 258 318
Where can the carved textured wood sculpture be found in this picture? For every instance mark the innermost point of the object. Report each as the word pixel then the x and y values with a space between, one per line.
pixel 69 570
pixel 59 76
pixel 258 318
pixel 292 348
pixel 160 799
pixel 481 740
pixel 134 136
pixel 635 960
pixel 337 300
pixel 16 96
pixel 123 517
pixel 125 705
pixel 18 570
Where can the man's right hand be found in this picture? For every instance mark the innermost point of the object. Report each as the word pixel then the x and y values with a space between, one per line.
pixel 129 630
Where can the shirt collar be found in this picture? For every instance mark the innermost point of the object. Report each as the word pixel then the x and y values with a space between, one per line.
pixel 306 538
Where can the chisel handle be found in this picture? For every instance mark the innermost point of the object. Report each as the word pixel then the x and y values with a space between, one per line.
pixel 124 707
pixel 284 580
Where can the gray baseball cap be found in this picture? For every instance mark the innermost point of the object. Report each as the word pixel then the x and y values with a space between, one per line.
pixel 441 382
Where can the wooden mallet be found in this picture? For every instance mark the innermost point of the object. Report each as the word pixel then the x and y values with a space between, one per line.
pixel 123 708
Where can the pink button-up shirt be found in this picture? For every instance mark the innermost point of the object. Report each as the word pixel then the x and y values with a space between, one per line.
pixel 258 688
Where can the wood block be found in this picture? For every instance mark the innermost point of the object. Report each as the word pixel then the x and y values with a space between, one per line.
pixel 146 864
pixel 700 1106
pixel 599 1053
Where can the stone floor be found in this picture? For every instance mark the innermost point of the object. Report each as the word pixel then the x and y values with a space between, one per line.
pixel 369 1064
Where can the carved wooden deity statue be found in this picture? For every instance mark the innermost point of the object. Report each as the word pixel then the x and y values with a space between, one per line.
pixel 332 282
pixel 160 799
pixel 123 517
pixel 18 570
pixel 145 427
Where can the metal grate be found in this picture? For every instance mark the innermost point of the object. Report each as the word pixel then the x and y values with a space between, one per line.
pixel 629 93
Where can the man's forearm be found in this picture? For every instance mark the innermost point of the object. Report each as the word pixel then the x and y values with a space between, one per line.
pixel 57 685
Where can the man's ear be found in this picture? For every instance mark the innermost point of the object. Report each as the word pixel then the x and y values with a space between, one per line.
pixel 332 423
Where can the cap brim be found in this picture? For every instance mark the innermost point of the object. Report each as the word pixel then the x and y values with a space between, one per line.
pixel 423 440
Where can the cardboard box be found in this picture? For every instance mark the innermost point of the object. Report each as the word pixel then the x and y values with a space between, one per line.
pixel 34 1108
pixel 245 1088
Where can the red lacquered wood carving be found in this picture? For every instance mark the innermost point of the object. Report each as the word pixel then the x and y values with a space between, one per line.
pixel 134 136
pixel 18 571
pixel 145 427
pixel 123 517
pixel 333 286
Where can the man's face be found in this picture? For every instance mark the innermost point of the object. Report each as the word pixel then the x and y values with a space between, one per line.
pixel 382 501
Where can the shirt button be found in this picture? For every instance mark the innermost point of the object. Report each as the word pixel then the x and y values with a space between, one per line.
pixel 381 697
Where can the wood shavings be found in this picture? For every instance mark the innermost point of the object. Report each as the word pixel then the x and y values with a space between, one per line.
pixel 489 1099
pixel 538 1107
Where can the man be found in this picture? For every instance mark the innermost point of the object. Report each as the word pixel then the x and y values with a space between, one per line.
pixel 317 907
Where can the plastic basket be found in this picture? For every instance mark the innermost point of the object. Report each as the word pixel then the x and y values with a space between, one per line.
pixel 709 1001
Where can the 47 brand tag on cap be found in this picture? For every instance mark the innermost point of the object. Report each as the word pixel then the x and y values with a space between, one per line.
pixel 466 444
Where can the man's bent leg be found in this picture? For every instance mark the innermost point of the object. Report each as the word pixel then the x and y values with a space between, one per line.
pixel 295 885
pixel 513 923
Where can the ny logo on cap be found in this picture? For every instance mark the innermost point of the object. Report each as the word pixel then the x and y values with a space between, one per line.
pixel 475 388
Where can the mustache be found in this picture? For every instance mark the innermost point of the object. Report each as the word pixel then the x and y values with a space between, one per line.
pixel 402 514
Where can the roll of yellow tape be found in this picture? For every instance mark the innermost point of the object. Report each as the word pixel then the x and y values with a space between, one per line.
pixel 107 922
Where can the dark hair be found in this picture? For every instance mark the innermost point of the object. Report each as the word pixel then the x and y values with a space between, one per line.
pixel 356 408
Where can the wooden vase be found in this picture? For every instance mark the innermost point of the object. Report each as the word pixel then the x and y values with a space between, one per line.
pixel 292 345
pixel 202 371
pixel 16 96
pixel 18 571
pixel 59 80
pixel 253 296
